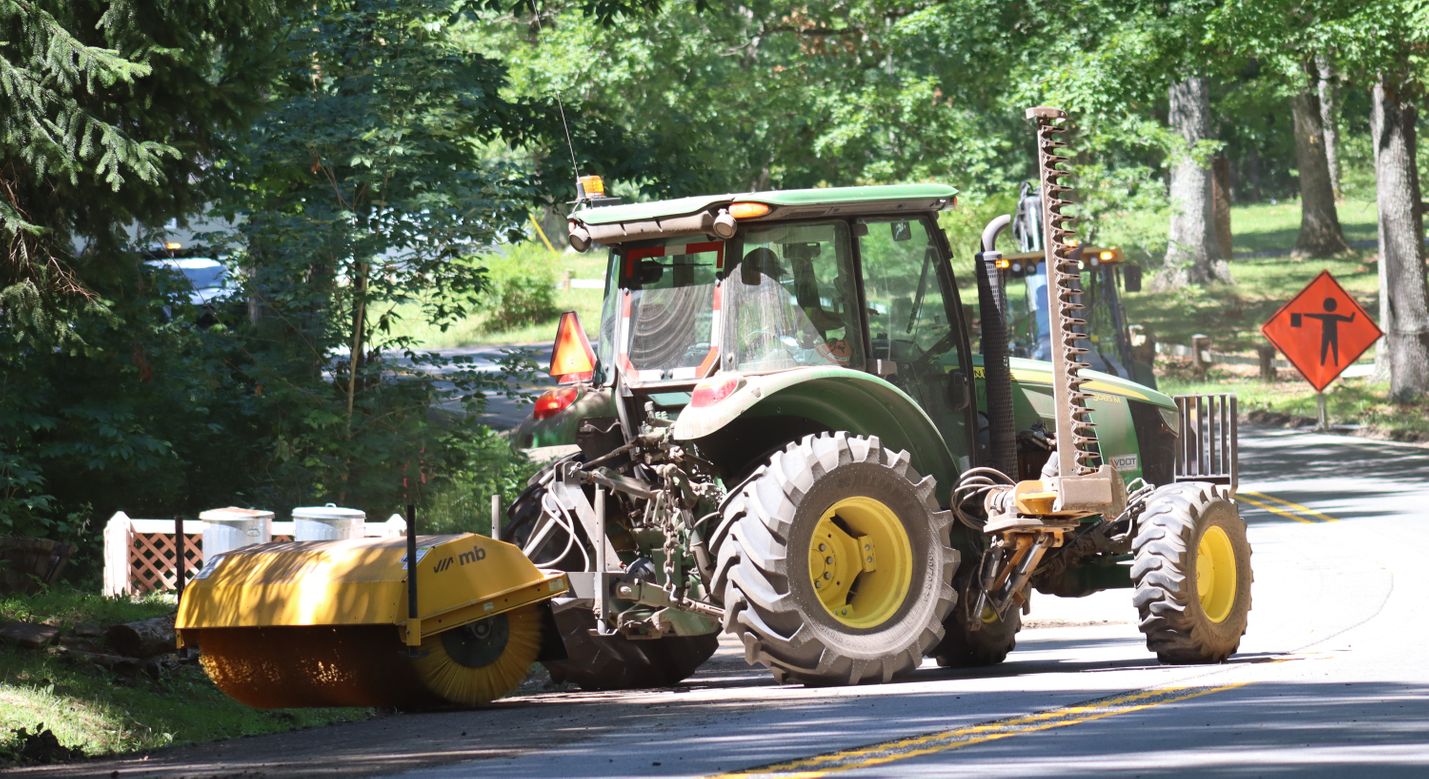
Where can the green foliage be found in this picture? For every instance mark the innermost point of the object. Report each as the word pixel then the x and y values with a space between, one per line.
pixel 522 287
pixel 377 168
pixel 111 118
pixel 110 110
pixel 373 167
pixel 480 466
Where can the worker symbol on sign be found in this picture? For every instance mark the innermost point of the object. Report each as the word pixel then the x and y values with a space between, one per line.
pixel 1329 328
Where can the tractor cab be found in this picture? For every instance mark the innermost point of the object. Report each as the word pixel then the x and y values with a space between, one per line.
pixel 1113 345
pixel 826 282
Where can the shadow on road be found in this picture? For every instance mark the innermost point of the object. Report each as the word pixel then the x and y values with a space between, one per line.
pixel 752 722
pixel 1344 477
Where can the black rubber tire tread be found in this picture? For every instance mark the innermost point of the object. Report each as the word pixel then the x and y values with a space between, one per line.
pixel 770 604
pixel 619 663
pixel 606 662
pixel 988 645
pixel 1164 573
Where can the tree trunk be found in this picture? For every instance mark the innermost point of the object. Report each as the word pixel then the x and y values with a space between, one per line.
pixel 1401 236
pixel 1386 317
pixel 1221 202
pixel 1320 234
pixel 1328 122
pixel 1192 251
pixel 355 362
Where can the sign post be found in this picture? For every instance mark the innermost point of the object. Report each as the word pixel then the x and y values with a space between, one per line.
pixel 1321 331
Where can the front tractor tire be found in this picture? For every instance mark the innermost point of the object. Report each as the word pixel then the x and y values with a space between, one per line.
pixel 994 637
pixel 1192 573
pixel 837 568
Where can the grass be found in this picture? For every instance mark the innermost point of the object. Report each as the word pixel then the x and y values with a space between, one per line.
pixel 1290 401
pixel 64 608
pixel 1232 314
pixel 1266 276
pixel 473 331
pixel 98 712
pixel 476 330
pixel 1264 273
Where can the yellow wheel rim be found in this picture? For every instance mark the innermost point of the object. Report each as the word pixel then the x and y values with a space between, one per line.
pixel 1215 574
pixel 860 562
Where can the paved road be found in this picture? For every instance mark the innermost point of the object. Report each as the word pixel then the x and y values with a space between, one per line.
pixel 502 411
pixel 1331 678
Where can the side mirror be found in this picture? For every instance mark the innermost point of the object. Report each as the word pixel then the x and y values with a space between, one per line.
pixel 1131 277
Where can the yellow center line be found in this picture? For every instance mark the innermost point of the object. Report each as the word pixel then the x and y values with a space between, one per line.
pixel 948 740
pixel 1306 510
pixel 1241 495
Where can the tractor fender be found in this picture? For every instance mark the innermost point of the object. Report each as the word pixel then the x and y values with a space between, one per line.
pixel 832 398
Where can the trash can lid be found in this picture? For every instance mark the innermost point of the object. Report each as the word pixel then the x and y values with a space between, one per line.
pixel 234 514
pixel 329 511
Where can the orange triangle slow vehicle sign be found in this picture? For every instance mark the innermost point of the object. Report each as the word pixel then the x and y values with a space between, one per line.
pixel 1321 330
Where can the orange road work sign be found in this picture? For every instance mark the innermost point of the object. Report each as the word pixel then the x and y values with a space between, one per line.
pixel 1321 330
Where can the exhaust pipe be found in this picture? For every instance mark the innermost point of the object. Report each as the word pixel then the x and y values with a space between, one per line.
pixel 992 302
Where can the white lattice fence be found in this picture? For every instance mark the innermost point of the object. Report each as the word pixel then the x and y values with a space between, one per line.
pixel 140 555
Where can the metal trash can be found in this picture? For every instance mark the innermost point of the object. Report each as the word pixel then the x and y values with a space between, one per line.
pixel 327 523
pixel 230 528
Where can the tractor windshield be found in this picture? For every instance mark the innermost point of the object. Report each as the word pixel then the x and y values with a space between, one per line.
pixel 681 310
pixel 666 314
pixel 1031 332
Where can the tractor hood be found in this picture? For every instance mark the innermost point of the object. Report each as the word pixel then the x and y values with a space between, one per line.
pixel 1039 373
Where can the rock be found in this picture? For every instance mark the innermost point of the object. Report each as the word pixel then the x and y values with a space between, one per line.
pixel 145 638
pixel 42 747
pixel 86 630
pixel 116 663
pixel 28 634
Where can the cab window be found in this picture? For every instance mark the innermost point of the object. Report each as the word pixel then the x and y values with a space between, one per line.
pixel 789 293
pixel 907 315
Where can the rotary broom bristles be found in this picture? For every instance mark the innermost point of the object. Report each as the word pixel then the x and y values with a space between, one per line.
pixel 284 667
pixel 362 665
pixel 450 679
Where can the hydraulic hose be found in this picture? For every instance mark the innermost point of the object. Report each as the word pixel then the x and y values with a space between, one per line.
pixel 997 372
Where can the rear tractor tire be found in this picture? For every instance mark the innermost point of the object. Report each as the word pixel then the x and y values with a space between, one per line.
pixel 963 647
pixel 837 568
pixel 1192 573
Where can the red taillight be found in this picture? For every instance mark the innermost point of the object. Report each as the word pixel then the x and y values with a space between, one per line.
pixel 714 389
pixel 572 359
pixel 553 402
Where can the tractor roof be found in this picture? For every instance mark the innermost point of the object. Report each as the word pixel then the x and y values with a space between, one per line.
pixel 801 202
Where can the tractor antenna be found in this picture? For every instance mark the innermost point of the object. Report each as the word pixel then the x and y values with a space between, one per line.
pixel 560 107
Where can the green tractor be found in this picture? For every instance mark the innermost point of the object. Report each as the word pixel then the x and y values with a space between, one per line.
pixel 1114 345
pixel 781 432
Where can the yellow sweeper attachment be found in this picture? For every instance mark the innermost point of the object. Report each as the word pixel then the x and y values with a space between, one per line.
pixel 326 623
